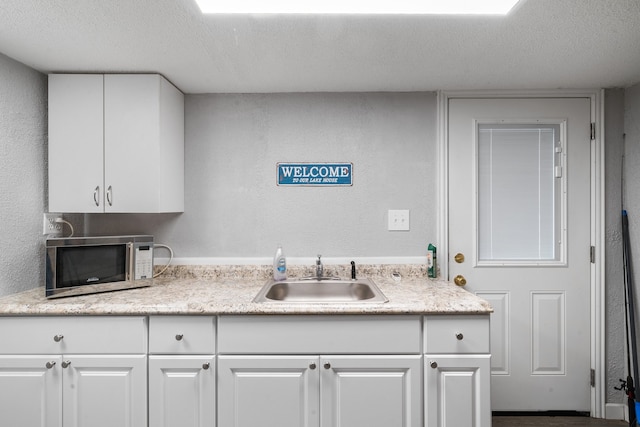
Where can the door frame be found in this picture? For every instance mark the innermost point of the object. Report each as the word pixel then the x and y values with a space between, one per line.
pixel 597 193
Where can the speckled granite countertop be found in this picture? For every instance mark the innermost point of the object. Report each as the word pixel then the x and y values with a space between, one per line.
pixel 212 291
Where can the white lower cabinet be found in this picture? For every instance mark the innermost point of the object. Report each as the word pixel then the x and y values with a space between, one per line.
pixel 73 390
pixel 264 391
pixel 182 374
pixel 64 372
pixel 31 391
pixel 325 391
pixel 457 371
pixel 246 371
pixel 374 391
pixel 319 371
pixel 182 391
pixel 104 391
pixel 457 390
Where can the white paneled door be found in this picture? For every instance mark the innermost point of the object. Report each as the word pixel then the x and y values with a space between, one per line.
pixel 519 236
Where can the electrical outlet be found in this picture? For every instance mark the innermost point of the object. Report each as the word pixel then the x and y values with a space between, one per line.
pixel 50 227
pixel 398 220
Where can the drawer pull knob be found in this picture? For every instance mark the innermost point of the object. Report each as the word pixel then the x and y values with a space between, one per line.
pixel 66 364
pixel 50 365
pixel 327 365
pixel 433 364
pixel 312 365
pixel 205 365
pixel 179 337
pixel 459 336
pixel 58 338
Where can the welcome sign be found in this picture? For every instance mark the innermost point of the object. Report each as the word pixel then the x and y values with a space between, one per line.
pixel 315 174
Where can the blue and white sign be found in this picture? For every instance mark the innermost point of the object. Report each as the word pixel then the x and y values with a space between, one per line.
pixel 315 174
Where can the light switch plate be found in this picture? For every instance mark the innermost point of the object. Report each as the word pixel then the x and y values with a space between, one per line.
pixel 398 220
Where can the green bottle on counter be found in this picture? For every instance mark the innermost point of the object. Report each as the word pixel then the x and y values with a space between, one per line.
pixel 432 264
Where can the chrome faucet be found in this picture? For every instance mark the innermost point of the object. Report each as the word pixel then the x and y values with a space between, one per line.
pixel 319 268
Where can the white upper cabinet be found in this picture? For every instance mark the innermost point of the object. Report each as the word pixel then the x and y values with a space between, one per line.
pixel 116 144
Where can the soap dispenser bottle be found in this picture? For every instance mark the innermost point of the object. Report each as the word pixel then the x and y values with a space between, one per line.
pixel 279 265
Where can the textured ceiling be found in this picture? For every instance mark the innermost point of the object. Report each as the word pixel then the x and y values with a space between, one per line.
pixel 542 44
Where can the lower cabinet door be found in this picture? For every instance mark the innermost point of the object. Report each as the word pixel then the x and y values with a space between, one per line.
pixel 268 391
pixel 104 391
pixel 372 391
pixel 457 391
pixel 182 391
pixel 30 391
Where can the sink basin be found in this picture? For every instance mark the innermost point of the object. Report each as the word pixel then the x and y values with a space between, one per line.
pixel 320 291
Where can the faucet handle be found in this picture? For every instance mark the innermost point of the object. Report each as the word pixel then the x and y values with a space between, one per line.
pixel 319 268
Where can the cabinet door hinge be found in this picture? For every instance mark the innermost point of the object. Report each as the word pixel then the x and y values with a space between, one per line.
pixel 592 378
pixel 592 254
pixel 593 131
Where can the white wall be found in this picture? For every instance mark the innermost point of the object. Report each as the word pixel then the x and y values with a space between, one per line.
pixel 632 164
pixel 632 188
pixel 23 119
pixel 614 128
pixel 233 207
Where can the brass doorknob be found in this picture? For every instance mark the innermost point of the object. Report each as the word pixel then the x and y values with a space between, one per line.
pixel 460 280
pixel 459 258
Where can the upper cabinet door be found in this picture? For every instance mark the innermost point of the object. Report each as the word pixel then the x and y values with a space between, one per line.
pixel 144 144
pixel 76 143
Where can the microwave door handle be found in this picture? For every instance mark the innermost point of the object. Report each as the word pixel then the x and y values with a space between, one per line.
pixel 130 253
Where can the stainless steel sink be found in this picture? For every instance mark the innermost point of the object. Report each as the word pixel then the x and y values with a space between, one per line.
pixel 321 291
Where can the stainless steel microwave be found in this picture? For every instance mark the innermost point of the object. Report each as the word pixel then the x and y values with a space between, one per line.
pixel 85 265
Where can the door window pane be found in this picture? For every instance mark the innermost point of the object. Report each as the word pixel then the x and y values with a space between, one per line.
pixel 518 192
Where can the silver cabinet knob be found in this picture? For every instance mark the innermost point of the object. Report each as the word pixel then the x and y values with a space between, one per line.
pixel 50 365
pixel 179 337
pixel 312 365
pixel 327 365
pixel 433 364
pixel 205 365
pixel 58 338
pixel 66 364
pixel 459 336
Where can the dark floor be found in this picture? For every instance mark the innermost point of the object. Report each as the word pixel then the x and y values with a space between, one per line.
pixel 524 421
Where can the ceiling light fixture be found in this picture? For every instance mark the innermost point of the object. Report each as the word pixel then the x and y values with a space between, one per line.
pixel 360 7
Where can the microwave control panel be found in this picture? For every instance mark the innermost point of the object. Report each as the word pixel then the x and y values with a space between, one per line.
pixel 144 262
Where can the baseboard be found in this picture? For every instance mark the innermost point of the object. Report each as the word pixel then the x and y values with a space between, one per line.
pixel 616 411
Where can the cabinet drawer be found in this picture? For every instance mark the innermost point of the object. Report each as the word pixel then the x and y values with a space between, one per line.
pixel 319 334
pixel 182 334
pixel 456 334
pixel 73 335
